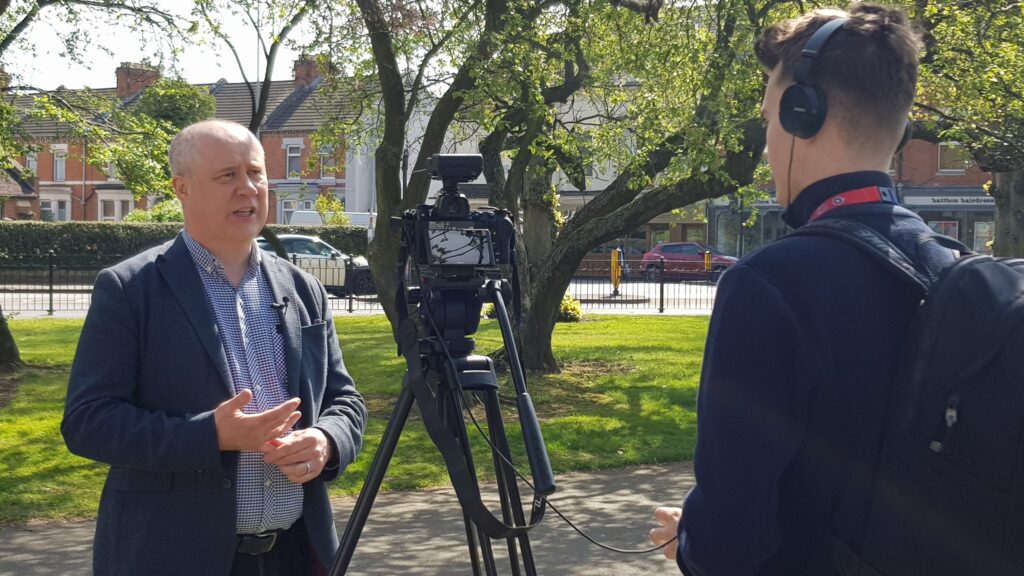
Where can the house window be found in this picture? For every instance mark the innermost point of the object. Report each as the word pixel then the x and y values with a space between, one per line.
pixel 115 205
pixel 59 165
pixel 293 166
pixel 328 162
pixel 288 207
pixel 953 159
pixel 32 163
pixel 53 210
pixel 108 210
pixel 111 171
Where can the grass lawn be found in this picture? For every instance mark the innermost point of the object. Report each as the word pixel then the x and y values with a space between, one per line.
pixel 626 396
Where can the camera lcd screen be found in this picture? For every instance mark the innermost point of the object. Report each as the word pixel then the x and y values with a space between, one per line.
pixel 454 246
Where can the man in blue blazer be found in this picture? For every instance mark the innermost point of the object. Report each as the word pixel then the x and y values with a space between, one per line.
pixel 209 377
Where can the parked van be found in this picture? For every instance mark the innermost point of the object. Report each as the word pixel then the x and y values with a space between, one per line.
pixel 312 217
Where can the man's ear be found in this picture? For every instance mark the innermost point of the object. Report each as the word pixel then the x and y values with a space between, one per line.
pixel 180 186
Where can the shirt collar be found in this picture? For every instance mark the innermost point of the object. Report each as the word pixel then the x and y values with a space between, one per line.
pixel 800 209
pixel 207 263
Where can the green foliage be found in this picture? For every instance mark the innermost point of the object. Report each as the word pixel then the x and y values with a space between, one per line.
pixel 972 77
pixel 82 243
pixel 625 397
pixel 165 211
pixel 176 102
pixel 569 310
pixel 14 140
pixel 103 243
pixel 331 210
pixel 135 144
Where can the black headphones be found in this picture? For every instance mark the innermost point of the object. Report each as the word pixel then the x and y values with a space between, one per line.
pixel 803 107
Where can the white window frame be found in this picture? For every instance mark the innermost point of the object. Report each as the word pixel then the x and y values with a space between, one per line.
pixel 46 205
pixel 949 171
pixel 290 205
pixel 60 158
pixel 54 198
pixel 118 197
pixel 288 144
pixel 293 153
pixel 32 163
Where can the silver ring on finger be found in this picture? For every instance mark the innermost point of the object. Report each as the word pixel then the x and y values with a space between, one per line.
pixel 308 468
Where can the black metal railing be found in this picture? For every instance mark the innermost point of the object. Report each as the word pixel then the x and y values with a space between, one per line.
pixel 643 287
pixel 47 283
pixel 52 283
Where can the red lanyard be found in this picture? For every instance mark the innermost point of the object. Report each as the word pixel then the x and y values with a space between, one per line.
pixel 854 197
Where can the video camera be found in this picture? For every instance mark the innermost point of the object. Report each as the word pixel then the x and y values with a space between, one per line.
pixel 448 241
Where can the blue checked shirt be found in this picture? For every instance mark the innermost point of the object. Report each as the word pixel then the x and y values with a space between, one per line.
pixel 247 325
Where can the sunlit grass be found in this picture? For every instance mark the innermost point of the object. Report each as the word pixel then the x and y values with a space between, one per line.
pixel 626 396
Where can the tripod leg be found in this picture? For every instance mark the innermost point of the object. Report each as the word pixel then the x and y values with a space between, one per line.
pixel 508 486
pixel 501 476
pixel 475 537
pixel 378 468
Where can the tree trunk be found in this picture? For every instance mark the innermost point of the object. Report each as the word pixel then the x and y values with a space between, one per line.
pixel 1008 191
pixel 10 358
pixel 536 330
pixel 536 241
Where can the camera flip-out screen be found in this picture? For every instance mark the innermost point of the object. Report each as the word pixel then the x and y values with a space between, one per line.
pixel 453 245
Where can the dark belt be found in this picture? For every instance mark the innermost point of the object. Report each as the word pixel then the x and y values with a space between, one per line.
pixel 257 543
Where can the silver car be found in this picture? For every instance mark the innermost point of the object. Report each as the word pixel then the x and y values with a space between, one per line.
pixel 328 264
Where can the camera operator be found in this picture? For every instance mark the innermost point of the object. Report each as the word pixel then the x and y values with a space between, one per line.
pixel 805 335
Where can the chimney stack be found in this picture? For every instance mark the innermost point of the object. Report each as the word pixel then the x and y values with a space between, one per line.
pixel 133 77
pixel 306 71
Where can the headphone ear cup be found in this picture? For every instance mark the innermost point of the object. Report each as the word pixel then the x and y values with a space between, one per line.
pixel 802 110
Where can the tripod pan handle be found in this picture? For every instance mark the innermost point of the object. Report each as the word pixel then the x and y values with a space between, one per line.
pixel 536 451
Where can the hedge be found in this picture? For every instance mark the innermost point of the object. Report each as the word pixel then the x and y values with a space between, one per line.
pixel 104 243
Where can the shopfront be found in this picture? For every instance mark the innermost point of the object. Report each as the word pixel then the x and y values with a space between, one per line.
pixel 967 214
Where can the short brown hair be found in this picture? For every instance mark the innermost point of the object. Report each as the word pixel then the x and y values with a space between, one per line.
pixel 867 70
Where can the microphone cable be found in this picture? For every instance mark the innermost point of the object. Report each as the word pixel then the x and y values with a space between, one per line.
pixel 494 449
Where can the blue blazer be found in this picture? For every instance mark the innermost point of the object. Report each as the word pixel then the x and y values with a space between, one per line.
pixel 149 370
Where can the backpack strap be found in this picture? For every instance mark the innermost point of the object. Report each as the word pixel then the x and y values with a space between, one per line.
pixel 880 248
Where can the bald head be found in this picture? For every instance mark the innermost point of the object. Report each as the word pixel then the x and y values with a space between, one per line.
pixel 183 149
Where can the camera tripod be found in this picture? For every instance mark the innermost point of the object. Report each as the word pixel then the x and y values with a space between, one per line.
pixel 444 360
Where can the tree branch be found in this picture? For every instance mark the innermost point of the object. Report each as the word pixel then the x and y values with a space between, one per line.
pixel 417 83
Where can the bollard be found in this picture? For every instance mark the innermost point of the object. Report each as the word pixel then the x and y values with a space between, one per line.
pixel 349 285
pixel 661 287
pixel 49 263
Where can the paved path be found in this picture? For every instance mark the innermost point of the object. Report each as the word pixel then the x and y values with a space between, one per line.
pixel 420 533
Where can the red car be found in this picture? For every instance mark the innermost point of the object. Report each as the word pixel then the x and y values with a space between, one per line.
pixel 684 259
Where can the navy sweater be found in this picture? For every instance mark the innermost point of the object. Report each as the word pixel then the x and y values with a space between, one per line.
pixel 802 348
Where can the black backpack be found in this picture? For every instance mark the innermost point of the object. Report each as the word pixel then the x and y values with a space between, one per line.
pixel 948 496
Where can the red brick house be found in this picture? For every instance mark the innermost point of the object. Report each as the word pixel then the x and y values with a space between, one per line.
pixel 65 188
